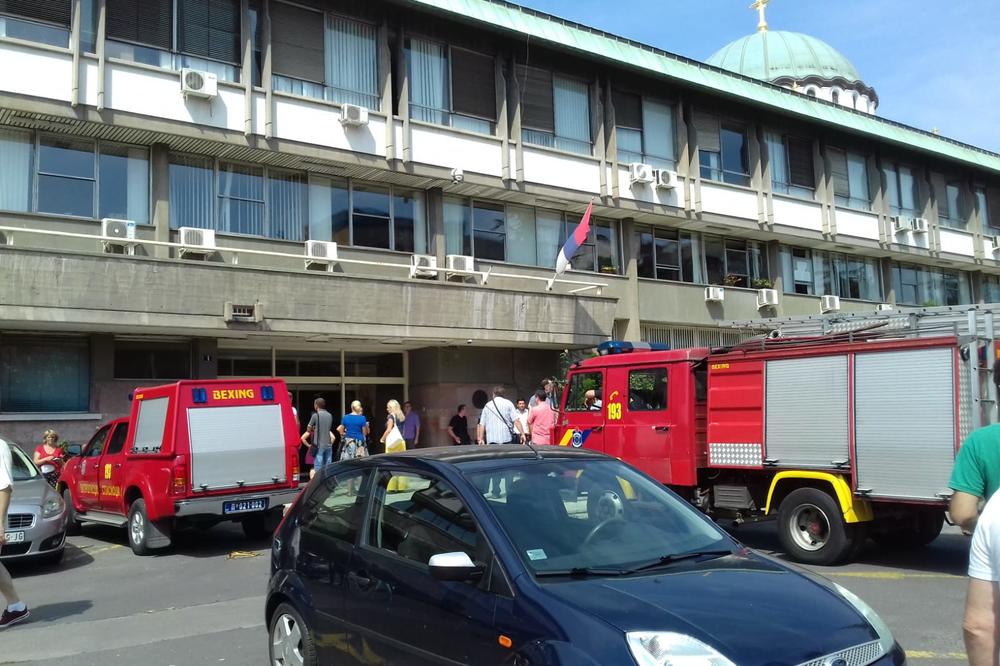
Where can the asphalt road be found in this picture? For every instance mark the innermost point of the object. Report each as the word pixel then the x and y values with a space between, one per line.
pixel 202 603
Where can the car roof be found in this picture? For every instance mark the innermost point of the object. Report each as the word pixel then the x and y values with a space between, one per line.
pixel 456 455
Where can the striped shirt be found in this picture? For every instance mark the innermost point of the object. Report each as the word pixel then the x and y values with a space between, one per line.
pixel 498 419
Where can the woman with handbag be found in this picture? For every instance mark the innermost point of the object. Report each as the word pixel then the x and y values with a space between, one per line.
pixel 353 429
pixel 393 439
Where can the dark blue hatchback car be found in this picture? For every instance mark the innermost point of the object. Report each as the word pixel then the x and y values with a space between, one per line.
pixel 505 555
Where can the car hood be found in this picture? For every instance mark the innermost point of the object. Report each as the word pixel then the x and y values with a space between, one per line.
pixel 30 492
pixel 752 610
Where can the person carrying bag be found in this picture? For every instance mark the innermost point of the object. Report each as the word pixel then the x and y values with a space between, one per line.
pixel 393 440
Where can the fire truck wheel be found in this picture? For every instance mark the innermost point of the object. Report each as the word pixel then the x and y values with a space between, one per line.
pixel 811 528
pixel 261 525
pixel 928 526
pixel 72 522
pixel 138 528
pixel 290 639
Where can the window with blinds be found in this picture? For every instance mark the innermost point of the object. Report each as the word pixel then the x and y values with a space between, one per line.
pixel 149 22
pixel 537 111
pixel 473 84
pixel 209 29
pixel 800 163
pixel 49 11
pixel 849 172
pixel 297 42
pixel 948 197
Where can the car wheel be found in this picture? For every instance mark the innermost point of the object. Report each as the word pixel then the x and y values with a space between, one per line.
pixel 73 527
pixel 811 528
pixel 138 528
pixel 290 640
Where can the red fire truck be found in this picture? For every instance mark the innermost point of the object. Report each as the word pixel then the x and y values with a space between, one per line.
pixel 192 453
pixel 841 427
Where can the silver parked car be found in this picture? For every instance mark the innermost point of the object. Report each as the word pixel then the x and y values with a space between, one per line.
pixel 36 521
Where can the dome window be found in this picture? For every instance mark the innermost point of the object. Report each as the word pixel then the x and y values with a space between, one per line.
pixel 835 97
pixel 811 91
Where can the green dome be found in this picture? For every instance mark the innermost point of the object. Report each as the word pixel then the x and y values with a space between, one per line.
pixel 774 55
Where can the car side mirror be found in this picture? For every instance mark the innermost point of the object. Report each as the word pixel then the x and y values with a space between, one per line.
pixel 74 450
pixel 457 566
pixel 47 468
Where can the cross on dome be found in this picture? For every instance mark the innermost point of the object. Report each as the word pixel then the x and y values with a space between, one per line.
pixel 760 6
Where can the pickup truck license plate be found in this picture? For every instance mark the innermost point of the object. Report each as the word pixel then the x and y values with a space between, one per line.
pixel 245 506
pixel 14 537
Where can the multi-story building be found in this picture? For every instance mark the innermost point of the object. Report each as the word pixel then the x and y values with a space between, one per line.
pixel 416 134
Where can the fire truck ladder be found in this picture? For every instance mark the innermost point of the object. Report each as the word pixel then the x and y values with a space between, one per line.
pixel 973 325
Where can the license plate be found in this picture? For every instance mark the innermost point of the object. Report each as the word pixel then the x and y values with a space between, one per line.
pixel 14 537
pixel 245 506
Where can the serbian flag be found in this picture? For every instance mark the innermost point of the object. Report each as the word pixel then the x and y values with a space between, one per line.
pixel 573 243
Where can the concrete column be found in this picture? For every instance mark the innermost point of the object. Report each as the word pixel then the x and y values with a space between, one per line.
pixel 265 77
pixel 503 117
pixel 205 358
pixel 612 137
pixel 435 227
pixel 385 76
pixel 160 166
pixel 888 291
pixel 630 251
pixel 773 250
pixel 514 97
pixel 403 77
pixel 597 128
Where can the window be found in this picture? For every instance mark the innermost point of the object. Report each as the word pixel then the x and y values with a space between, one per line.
pixel 96 445
pixel 988 206
pixel 44 21
pixel 647 390
pixel 555 110
pixel 669 254
pixel 337 507
pixel 820 273
pixel 722 150
pixel 918 285
pixel 241 199
pixel 201 34
pixel 523 235
pixel 849 171
pixel 948 196
pixel 66 171
pixel 791 161
pixel 367 215
pixel 44 374
pixel 324 56
pixel 451 86
pixel 118 438
pixel 991 288
pixel 584 393
pixel 644 130
pixel 417 517
pixel 735 262
pixel 900 189
pixel 150 425
pixel 152 360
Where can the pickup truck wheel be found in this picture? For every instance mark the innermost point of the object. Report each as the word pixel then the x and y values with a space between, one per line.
pixel 290 640
pixel 73 527
pixel 261 525
pixel 811 528
pixel 138 528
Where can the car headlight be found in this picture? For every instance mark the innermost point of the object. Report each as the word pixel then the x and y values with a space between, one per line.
pixel 885 638
pixel 664 648
pixel 52 506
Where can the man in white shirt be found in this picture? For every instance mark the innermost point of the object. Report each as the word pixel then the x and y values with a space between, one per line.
pixel 498 422
pixel 15 610
pixel 981 628
pixel 522 414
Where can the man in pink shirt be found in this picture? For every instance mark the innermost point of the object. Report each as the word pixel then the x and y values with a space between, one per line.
pixel 541 420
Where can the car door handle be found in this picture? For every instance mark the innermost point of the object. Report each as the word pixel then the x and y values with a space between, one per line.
pixel 360 581
pixel 661 428
pixel 118 465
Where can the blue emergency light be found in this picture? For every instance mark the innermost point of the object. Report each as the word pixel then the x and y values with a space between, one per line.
pixel 267 393
pixel 199 396
pixel 622 347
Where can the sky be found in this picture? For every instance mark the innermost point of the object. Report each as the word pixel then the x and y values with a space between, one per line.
pixel 933 63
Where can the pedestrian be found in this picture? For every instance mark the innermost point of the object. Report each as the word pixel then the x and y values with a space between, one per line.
pixel 498 423
pixel 542 420
pixel 411 426
pixel 975 476
pixel 353 429
pixel 320 431
pixel 522 411
pixel 393 440
pixel 981 624
pixel 15 611
pixel 458 428
pixel 548 388
pixel 50 453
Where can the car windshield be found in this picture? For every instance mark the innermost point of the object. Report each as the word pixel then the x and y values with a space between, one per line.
pixel 578 516
pixel 23 468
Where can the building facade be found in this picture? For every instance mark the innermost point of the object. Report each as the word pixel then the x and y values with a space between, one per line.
pixel 174 174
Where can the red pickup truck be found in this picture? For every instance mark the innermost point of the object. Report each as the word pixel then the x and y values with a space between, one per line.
pixel 195 452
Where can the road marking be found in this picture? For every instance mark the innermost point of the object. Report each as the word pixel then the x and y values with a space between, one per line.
pixel 34 643
pixel 890 575
pixel 85 550
pixel 924 654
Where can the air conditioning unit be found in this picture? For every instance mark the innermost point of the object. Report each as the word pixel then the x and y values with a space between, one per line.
pixel 199 242
pixel 196 83
pixel 900 224
pixel 767 298
pixel 883 307
pixel 460 262
pixel 112 228
pixel 665 179
pixel 829 303
pixel 321 253
pixel 247 313
pixel 353 115
pixel 919 225
pixel 423 266
pixel 994 244
pixel 640 173
pixel 714 294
